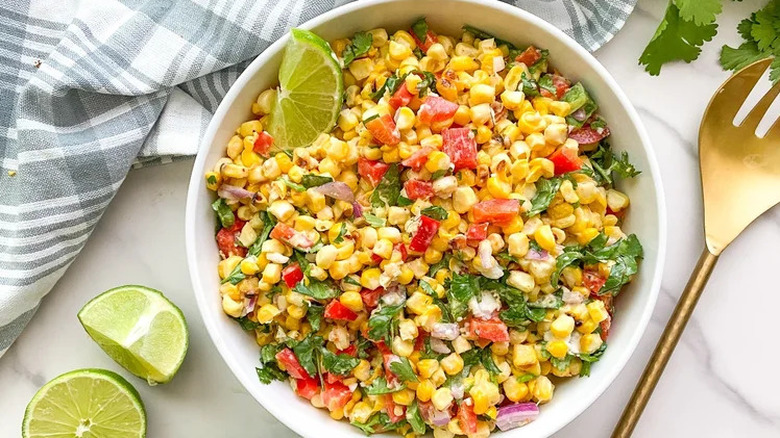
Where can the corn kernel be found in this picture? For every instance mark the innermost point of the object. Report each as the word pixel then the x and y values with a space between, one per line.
pixel 352 300
pixel 597 311
pixel 544 237
pixel 370 278
pixel 524 355
pixel 557 348
pixel 266 313
pixel 425 390
pixel 248 128
pixel 562 326
pixel 514 390
pixel 452 364
pixel 542 389
pixel 442 398
pixel 403 397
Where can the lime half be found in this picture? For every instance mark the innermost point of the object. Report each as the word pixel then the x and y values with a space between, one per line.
pixel 140 329
pixel 310 92
pixel 85 403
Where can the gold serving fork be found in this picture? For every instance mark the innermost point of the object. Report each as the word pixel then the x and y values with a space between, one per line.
pixel 740 176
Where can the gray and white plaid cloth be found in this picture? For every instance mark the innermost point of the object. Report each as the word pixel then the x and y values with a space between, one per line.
pixel 91 88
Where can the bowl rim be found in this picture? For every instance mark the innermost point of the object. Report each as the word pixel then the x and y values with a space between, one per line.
pixel 237 87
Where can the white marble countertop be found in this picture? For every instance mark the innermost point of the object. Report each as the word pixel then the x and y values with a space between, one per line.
pixel 719 383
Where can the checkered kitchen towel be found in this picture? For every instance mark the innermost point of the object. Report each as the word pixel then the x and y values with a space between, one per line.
pixel 89 88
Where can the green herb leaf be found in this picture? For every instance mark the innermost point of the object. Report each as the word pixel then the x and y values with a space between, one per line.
pixel 389 188
pixel 311 180
pixel 438 174
pixel 269 373
pixel 295 186
pixel 481 34
pixel 268 224
pixel 677 38
pixel 561 364
pixel 606 164
pixel 761 35
pixel 403 201
pixel 379 422
pixel 374 221
pixel 306 351
pixel 462 288
pixel 235 275
pixel 379 386
pixel 340 364
pixel 351 280
pixel 420 29
pixel 247 324
pixel 427 84
pixel 701 12
pixel 342 232
pixel 390 86
pixel 529 86
pixel 548 301
pixel 319 290
pixel 579 98
pixel 435 212
pixel 403 369
pixel 527 377
pixel 314 316
pixel 415 419
pixel 224 213
pixel 545 192
pixel 382 322
pixel 359 46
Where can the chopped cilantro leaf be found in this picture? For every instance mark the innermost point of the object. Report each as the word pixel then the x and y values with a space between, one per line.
pixel 360 45
pixel 224 213
pixel 403 369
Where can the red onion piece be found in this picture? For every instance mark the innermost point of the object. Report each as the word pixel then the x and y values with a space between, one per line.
pixel 357 210
pixel 337 190
pixel 580 115
pixel 498 64
pixel 249 305
pixel 439 346
pixel 448 331
pixel 537 255
pixel 516 415
pixel 440 418
pixel 233 193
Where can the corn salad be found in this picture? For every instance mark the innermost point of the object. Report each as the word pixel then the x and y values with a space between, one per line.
pixel 446 254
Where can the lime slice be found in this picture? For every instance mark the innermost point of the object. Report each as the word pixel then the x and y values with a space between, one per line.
pixel 310 92
pixel 140 329
pixel 85 403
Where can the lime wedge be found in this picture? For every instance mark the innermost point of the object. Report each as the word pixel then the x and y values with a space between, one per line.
pixel 85 403
pixel 310 92
pixel 140 329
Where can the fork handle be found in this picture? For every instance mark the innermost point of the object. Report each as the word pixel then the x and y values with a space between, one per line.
pixel 665 347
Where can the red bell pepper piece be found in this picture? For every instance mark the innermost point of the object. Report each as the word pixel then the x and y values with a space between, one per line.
pixel 383 130
pixel 287 358
pixel 496 210
pixel 565 160
pixel 467 418
pixel 492 329
pixel 391 407
pixel 335 395
pixel 401 97
pixel 336 310
pixel 424 235
pixel 416 189
pixel 436 109
pixel 561 85
pixel 372 170
pixel 263 143
pixel 459 144
pixel 292 274
pixel 286 233
pixel 226 240
pixel 307 388
pixel 400 247
pixel 477 232
pixel 371 296
pixel 418 158
pixel 430 39
pixel 529 56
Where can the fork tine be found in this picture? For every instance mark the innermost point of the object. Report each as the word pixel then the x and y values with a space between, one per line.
pixel 732 94
pixel 757 113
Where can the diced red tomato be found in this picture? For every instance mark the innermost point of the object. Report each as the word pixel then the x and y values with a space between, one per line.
pixel 593 281
pixel 561 85
pixel 419 342
pixel 227 237
pixel 400 247
pixel 467 418
pixel 496 210
pixel 416 189
pixel 333 378
pixel 371 296
pixel 588 135
pixel 424 235
pixel 383 129
pixel 287 358
pixel 418 158
pixel 335 395
pixel 376 258
pixel 351 350
pixel 460 146
pixel 565 160
pixel 401 97
pixel 372 170
pixel 263 143
pixel 477 232
pixel 529 56
pixel 336 310
pixel 436 109
pixel 292 274
pixel 288 234
pixel 430 39
pixel 492 329
pixel 307 388
pixel 391 407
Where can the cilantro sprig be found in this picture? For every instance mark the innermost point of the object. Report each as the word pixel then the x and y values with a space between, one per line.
pixel 761 35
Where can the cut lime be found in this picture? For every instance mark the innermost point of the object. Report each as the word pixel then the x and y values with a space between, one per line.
pixel 85 403
pixel 140 329
pixel 310 92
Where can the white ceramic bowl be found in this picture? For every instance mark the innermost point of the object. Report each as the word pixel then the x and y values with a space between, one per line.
pixel 646 217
